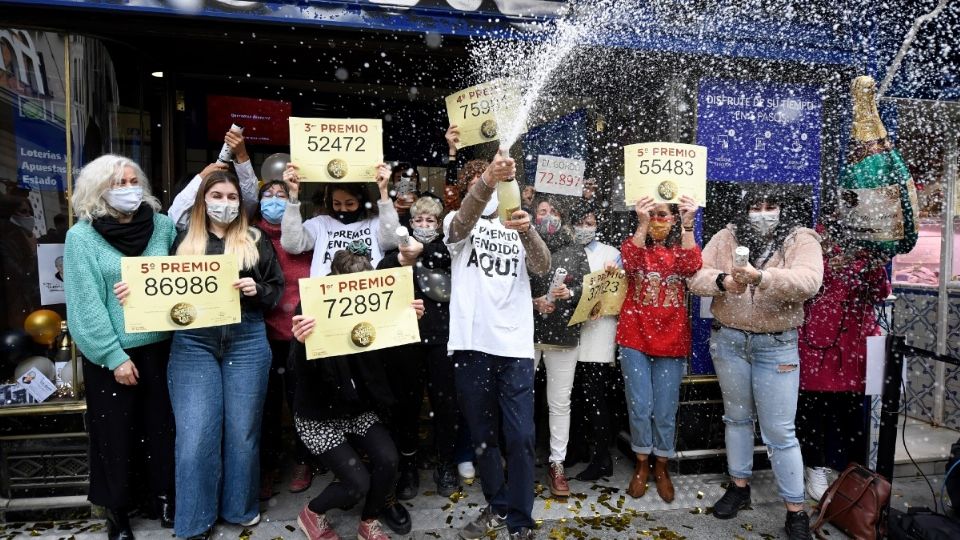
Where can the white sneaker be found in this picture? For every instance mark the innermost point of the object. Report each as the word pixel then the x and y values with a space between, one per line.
pixel 466 471
pixel 816 481
pixel 252 522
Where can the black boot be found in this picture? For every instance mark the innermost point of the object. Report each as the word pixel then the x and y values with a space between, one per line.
pixel 395 516
pixel 166 511
pixel 599 467
pixel 447 480
pixel 409 482
pixel 118 525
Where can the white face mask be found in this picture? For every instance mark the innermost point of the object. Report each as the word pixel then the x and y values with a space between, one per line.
pixel 584 235
pixel 765 222
pixel 125 200
pixel 425 235
pixel 26 223
pixel 223 213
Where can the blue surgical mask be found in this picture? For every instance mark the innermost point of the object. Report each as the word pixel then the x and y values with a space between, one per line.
pixel 272 209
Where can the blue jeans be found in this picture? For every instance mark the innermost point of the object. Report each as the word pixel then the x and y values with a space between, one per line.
pixel 760 372
pixel 652 386
pixel 490 388
pixel 218 381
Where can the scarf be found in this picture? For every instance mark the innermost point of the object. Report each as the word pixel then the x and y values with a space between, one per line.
pixel 132 238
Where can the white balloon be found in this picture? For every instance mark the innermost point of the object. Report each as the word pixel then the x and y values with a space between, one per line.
pixel 66 375
pixel 42 363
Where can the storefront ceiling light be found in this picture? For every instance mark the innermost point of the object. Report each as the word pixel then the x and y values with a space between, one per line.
pixel 157 74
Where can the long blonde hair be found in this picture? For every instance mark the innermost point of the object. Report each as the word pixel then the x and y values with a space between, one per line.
pixel 240 239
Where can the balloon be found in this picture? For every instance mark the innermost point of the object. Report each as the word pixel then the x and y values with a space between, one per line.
pixel 42 363
pixel 434 282
pixel 43 326
pixel 14 344
pixel 273 166
pixel 66 375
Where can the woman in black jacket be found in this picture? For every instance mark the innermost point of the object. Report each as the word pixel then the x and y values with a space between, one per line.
pixel 336 408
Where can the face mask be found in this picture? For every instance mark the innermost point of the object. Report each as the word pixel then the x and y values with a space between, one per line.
pixel 584 235
pixel 765 222
pixel 548 224
pixel 272 209
pixel 659 228
pixel 347 217
pixel 24 222
pixel 425 235
pixel 223 213
pixel 125 200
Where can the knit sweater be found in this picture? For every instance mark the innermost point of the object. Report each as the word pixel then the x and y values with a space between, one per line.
pixel 791 275
pixel 91 267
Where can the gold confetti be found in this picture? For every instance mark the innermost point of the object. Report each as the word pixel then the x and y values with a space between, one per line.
pixel 747 527
pixel 700 495
pixel 696 510
pixel 291 528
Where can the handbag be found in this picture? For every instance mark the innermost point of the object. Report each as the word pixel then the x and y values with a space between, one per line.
pixel 855 503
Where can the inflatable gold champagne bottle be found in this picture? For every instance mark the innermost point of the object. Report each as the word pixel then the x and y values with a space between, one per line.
pixel 878 198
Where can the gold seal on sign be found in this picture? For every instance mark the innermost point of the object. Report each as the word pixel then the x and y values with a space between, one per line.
pixel 596 310
pixel 667 190
pixel 489 129
pixel 183 314
pixel 363 334
pixel 337 168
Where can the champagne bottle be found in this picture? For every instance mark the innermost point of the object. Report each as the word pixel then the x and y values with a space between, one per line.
pixel 508 196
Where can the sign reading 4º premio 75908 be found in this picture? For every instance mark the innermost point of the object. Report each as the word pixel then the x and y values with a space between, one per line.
pixel 336 149
pixel 176 293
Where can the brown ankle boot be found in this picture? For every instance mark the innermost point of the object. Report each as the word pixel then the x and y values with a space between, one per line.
pixel 638 484
pixel 661 475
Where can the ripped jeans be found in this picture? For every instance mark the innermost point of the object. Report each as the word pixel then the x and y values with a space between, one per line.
pixel 759 377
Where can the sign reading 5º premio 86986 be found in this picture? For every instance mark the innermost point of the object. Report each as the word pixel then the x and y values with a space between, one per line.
pixel 177 293
pixel 360 312
pixel 336 149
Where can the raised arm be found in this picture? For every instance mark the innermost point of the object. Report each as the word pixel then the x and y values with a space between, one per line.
pixel 500 169
pixel 294 237
pixel 389 219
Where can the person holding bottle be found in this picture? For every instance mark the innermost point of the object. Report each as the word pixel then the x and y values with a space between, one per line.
pixel 128 405
pixel 491 341
pixel 654 333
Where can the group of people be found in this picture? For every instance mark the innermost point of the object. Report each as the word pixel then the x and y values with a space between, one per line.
pixel 199 413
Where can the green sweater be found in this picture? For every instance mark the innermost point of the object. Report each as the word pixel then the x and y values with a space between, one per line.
pixel 91 267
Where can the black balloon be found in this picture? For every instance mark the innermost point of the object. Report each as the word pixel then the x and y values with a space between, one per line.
pixel 14 345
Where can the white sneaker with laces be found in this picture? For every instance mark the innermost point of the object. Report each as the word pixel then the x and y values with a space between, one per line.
pixel 252 522
pixel 466 470
pixel 816 481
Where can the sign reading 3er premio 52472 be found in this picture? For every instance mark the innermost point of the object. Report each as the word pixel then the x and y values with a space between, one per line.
pixel 180 292
pixel 475 110
pixel 665 172
pixel 360 312
pixel 336 149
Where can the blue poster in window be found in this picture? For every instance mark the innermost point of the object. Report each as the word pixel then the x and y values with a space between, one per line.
pixel 760 131
pixel 41 146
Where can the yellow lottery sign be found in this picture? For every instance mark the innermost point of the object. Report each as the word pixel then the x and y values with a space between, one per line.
pixel 177 293
pixel 475 110
pixel 360 312
pixel 336 149
pixel 603 294
pixel 665 171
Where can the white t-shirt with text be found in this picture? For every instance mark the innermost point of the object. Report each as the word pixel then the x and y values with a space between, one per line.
pixel 332 236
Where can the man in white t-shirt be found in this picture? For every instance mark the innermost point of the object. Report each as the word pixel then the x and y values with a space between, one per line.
pixel 491 342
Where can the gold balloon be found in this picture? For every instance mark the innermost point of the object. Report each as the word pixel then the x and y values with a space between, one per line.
pixel 43 325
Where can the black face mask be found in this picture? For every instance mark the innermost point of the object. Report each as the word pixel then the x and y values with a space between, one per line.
pixel 347 217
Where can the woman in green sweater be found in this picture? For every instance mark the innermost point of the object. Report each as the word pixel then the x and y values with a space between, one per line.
pixel 128 405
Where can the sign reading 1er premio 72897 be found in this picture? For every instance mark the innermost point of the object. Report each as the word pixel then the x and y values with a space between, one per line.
pixel 360 312
pixel 559 175
pixel 336 149
pixel 180 292
pixel 665 171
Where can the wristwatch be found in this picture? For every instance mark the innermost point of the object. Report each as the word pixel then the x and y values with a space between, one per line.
pixel 720 277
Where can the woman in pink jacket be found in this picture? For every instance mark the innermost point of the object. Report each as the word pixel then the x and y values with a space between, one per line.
pixel 831 422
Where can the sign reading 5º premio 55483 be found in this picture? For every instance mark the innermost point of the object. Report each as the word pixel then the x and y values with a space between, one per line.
pixel 665 172
pixel 177 293
pixel 360 312
pixel 336 149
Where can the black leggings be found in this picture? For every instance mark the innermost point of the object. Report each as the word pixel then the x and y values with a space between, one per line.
pixel 281 384
pixel 591 405
pixel 355 480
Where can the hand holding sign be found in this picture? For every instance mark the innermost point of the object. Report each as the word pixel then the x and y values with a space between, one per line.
pixel 603 294
pixel 336 150
pixel 474 111
pixel 664 172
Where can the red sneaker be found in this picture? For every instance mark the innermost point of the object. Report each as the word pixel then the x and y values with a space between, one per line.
pixel 558 481
pixel 302 478
pixel 371 530
pixel 315 526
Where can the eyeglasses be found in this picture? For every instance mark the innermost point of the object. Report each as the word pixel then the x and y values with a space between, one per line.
pixel 279 195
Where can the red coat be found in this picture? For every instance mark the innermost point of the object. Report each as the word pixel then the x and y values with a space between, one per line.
pixel 833 338
pixel 653 319
pixel 294 267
